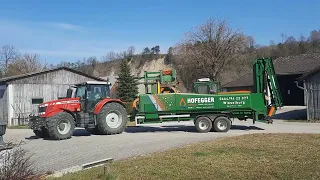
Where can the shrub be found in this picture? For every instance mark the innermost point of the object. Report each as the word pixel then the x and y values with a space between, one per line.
pixel 15 163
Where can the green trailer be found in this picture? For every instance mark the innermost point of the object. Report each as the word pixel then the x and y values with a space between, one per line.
pixel 214 109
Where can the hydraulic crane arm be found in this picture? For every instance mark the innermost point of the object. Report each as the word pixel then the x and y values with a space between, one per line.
pixel 265 81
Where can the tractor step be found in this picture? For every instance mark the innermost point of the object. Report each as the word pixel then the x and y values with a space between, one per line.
pixel 83 119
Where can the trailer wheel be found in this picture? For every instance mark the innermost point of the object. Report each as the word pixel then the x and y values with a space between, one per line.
pixel 203 124
pixel 61 126
pixel 221 124
pixel 112 119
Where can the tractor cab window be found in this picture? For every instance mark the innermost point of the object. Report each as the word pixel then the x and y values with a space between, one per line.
pixel 98 92
pixel 214 89
pixel 203 89
pixel 80 92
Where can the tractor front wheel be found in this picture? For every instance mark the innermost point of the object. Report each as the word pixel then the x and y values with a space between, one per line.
pixel 61 126
pixel 112 119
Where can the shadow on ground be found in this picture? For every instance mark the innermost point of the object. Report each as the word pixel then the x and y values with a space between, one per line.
pixel 299 114
pixel 144 129
pixel 76 133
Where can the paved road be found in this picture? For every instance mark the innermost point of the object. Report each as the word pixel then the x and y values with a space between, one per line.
pixel 83 147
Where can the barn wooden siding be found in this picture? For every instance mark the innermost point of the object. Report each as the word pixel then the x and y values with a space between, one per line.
pixel 49 86
pixel 3 102
pixel 312 85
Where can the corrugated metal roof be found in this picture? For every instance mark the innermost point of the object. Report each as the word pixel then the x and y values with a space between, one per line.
pixel 12 78
pixel 300 64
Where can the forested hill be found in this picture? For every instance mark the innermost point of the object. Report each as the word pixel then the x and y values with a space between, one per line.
pixel 149 61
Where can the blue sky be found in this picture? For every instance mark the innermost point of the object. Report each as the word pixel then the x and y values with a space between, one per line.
pixel 70 30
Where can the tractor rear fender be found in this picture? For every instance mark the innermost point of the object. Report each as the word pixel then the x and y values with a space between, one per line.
pixel 99 105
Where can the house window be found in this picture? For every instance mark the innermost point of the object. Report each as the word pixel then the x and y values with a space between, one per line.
pixel 37 100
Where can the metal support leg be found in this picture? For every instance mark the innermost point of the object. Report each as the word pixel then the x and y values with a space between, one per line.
pixel 1 142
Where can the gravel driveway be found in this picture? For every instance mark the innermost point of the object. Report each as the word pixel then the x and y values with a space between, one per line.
pixel 83 147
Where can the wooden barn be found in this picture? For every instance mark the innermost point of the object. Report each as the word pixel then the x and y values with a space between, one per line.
pixel 21 95
pixel 310 83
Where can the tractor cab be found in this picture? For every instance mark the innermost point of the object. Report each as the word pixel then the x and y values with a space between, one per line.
pixel 90 93
pixel 206 86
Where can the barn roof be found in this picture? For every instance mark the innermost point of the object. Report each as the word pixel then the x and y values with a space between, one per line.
pixel 305 76
pixel 290 65
pixel 299 64
pixel 12 78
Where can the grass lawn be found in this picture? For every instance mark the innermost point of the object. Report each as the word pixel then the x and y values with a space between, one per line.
pixel 19 127
pixel 131 123
pixel 303 121
pixel 257 156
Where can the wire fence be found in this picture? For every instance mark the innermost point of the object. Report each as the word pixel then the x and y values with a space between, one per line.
pixel 22 119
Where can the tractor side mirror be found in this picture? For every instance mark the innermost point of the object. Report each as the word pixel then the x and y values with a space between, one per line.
pixel 69 93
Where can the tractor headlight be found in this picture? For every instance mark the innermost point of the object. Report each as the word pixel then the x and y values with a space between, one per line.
pixel 42 109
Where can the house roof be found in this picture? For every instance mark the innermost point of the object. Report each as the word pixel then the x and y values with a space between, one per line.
pixel 12 78
pixel 301 64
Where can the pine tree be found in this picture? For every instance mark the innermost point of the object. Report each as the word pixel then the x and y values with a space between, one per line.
pixel 127 88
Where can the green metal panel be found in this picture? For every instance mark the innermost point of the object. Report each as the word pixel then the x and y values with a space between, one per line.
pixel 188 102
pixel 238 105
pixel 154 89
pixel 146 105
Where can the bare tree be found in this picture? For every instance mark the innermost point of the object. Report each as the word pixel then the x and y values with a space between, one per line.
pixel 8 53
pixel 17 163
pixel 209 48
pixel 110 56
pixel 131 51
pixel 283 37
pixel 26 63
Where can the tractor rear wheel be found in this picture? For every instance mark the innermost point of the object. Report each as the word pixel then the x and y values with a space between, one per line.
pixel 61 126
pixel 221 124
pixel 112 119
pixel 203 124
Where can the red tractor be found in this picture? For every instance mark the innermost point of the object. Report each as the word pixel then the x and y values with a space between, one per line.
pixel 89 107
